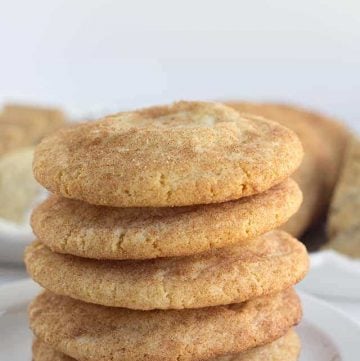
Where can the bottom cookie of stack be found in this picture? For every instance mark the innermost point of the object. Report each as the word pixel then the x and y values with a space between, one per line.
pixel 91 332
pixel 284 348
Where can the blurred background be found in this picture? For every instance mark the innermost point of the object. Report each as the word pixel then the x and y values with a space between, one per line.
pixel 93 57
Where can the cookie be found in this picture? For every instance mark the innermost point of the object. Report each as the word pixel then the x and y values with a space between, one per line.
pixel 284 348
pixel 37 121
pixel 183 154
pixel 343 220
pixel 323 140
pixel 270 263
pixel 12 137
pixel 43 352
pixel 18 188
pixel 91 332
pixel 335 136
pixel 75 227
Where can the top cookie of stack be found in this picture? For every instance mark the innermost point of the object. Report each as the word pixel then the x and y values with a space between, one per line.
pixel 184 154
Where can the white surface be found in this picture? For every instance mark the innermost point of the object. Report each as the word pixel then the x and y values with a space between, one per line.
pixel 109 55
pixel 334 276
pixel 9 274
pixel 325 332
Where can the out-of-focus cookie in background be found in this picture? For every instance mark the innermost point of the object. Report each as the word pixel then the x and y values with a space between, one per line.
pixel 21 128
pixel 344 217
pixel 331 161
pixel 25 125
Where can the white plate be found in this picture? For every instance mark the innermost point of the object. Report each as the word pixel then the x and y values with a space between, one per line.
pixel 15 237
pixel 326 333
pixel 333 275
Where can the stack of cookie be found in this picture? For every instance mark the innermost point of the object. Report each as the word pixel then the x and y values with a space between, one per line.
pixel 159 241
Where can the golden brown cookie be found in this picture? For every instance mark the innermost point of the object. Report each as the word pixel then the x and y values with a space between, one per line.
pixel 344 218
pixel 183 154
pixel 268 264
pixel 284 348
pixel 324 140
pixel 75 227
pixel 90 332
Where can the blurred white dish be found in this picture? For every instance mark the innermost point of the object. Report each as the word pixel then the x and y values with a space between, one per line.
pixel 13 240
pixel 333 275
pixel 326 333
pixel 15 237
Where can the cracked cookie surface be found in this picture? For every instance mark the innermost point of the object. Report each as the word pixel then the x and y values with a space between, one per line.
pixel 74 227
pixel 284 348
pixel 183 154
pixel 268 264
